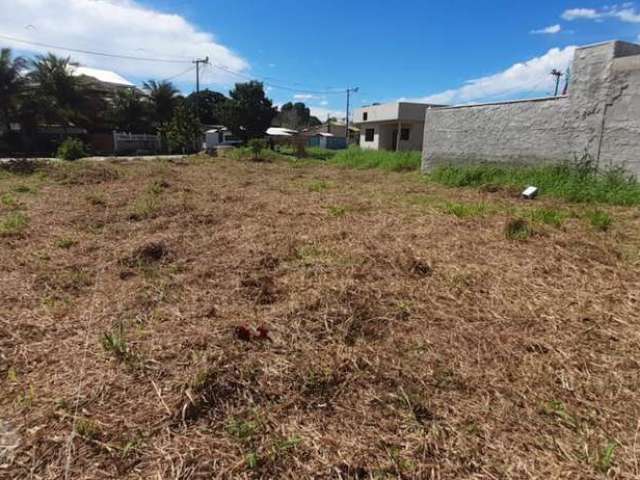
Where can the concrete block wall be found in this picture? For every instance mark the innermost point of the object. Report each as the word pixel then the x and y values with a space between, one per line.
pixel 599 117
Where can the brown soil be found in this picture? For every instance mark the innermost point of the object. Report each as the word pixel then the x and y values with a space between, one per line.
pixel 220 319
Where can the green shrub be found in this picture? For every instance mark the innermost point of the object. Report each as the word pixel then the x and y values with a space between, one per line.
pixel 184 131
pixel 356 157
pixel 517 229
pixel 256 146
pixel 71 149
pixel 576 182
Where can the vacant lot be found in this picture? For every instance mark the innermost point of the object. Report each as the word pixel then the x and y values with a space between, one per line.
pixel 229 319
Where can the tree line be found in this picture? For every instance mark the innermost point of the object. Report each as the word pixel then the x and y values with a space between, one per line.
pixel 44 92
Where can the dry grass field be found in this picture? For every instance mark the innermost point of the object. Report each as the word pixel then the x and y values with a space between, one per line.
pixel 214 318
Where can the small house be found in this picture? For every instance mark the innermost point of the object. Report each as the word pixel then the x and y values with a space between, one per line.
pixel 397 126
pixel 220 136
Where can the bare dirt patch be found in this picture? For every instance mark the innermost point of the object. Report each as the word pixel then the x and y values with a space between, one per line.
pixel 222 319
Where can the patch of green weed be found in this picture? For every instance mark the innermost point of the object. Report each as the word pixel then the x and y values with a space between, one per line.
pixel 465 210
pixel 242 429
pixel 13 224
pixel 355 157
pixel 558 410
pixel 548 216
pixel 8 200
pixel 606 456
pixel 318 186
pixel 65 243
pixel 87 428
pixel 337 210
pixel 599 219
pixel 578 181
pixel 517 229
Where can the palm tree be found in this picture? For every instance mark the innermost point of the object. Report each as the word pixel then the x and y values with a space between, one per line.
pixel 59 94
pixel 11 83
pixel 130 112
pixel 163 97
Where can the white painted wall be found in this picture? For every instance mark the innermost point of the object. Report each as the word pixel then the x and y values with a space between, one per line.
pixel 376 137
pixel 383 136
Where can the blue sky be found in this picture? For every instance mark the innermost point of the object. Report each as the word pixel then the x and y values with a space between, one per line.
pixel 454 51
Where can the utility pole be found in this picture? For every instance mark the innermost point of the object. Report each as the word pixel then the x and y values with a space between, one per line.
pixel 198 61
pixel 557 74
pixel 349 91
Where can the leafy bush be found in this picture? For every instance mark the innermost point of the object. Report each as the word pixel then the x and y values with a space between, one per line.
pixel 71 149
pixel 184 132
pixel 356 157
pixel 575 182
pixel 256 146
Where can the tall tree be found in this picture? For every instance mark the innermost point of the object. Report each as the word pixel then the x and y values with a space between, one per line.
pixel 59 96
pixel 184 132
pixel 130 112
pixel 248 112
pixel 208 103
pixel 164 98
pixel 11 83
pixel 294 115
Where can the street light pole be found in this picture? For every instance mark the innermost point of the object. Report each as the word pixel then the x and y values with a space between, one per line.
pixel 349 91
pixel 198 61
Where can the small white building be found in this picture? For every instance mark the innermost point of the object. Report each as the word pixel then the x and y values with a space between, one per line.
pixel 397 126
pixel 220 136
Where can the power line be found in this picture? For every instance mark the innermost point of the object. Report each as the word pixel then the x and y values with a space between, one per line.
pixel 90 52
pixel 281 87
pixel 188 70
pixel 167 60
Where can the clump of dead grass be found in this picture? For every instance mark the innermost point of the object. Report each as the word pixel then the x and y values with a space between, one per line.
pixel 149 253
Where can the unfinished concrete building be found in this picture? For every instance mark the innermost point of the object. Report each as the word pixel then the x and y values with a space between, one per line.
pixel 599 119
pixel 396 126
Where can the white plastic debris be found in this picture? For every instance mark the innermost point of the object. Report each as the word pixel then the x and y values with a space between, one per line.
pixel 530 193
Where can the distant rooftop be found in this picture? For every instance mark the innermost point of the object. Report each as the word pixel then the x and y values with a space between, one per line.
pixel 281 132
pixel 105 76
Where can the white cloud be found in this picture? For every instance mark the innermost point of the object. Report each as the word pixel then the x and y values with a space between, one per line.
pixel 116 26
pixel 303 96
pixel 580 13
pixel 530 77
pixel 625 13
pixel 550 30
